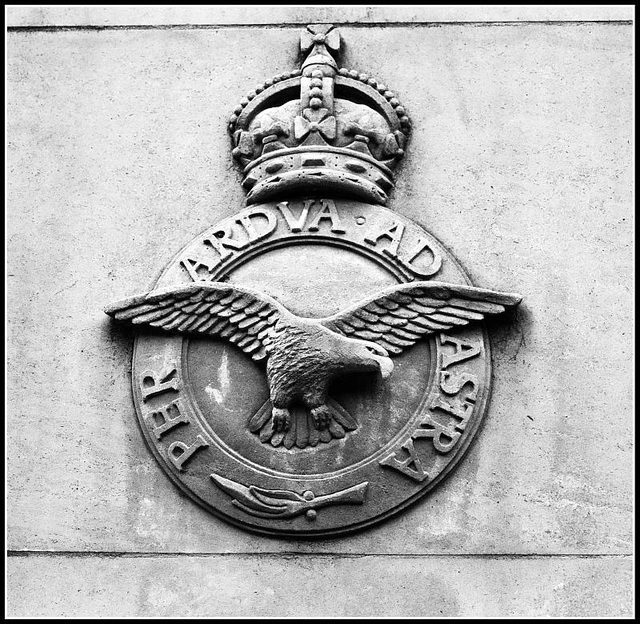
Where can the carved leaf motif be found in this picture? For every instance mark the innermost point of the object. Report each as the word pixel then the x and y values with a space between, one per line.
pixel 391 146
pixel 270 126
pixel 244 148
pixel 366 125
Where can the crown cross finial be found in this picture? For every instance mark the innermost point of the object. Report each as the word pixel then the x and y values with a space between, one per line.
pixel 320 39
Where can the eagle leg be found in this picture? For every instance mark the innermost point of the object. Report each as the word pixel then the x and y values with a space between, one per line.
pixel 321 416
pixel 280 419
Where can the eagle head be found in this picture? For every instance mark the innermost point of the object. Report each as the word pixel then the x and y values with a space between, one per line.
pixel 365 355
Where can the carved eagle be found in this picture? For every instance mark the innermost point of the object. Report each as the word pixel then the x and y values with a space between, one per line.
pixel 304 355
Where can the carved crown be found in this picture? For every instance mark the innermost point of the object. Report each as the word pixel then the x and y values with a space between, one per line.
pixel 319 128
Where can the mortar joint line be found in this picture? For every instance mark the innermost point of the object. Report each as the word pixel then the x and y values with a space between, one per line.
pixel 289 554
pixel 296 25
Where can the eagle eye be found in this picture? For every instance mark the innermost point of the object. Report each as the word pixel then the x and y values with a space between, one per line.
pixel 376 350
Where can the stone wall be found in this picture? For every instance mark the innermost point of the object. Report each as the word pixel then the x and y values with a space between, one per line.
pixel 520 163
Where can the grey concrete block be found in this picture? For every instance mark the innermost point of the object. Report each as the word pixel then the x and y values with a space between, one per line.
pixel 520 163
pixel 312 586
pixel 30 16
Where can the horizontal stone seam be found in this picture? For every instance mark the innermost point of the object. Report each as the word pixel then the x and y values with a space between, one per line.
pixel 324 555
pixel 297 25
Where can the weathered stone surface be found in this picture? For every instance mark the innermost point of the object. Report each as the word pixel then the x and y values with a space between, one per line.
pixel 285 15
pixel 520 162
pixel 312 586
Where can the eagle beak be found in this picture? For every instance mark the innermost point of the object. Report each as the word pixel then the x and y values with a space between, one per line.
pixel 381 356
pixel 386 367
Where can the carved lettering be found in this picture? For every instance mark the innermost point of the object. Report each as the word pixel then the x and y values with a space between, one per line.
pixel 393 234
pixel 249 226
pixel 410 466
pixel 463 350
pixel 330 213
pixel 430 428
pixel 295 225
pixel 153 383
pixel 450 384
pixel 186 452
pixel 161 421
pixel 434 266
pixel 459 409
pixel 222 242
pixel 444 436
pixel 192 267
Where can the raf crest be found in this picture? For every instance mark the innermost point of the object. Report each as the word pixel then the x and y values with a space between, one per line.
pixel 316 362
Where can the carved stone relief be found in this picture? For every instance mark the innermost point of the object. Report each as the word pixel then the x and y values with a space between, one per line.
pixel 316 362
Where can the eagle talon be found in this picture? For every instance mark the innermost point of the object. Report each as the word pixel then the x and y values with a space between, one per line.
pixel 280 419
pixel 321 417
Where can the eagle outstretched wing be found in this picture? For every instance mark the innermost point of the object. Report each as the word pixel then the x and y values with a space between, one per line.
pixel 242 316
pixel 397 317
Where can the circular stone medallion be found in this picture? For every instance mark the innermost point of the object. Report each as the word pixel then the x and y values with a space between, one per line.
pixel 204 404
